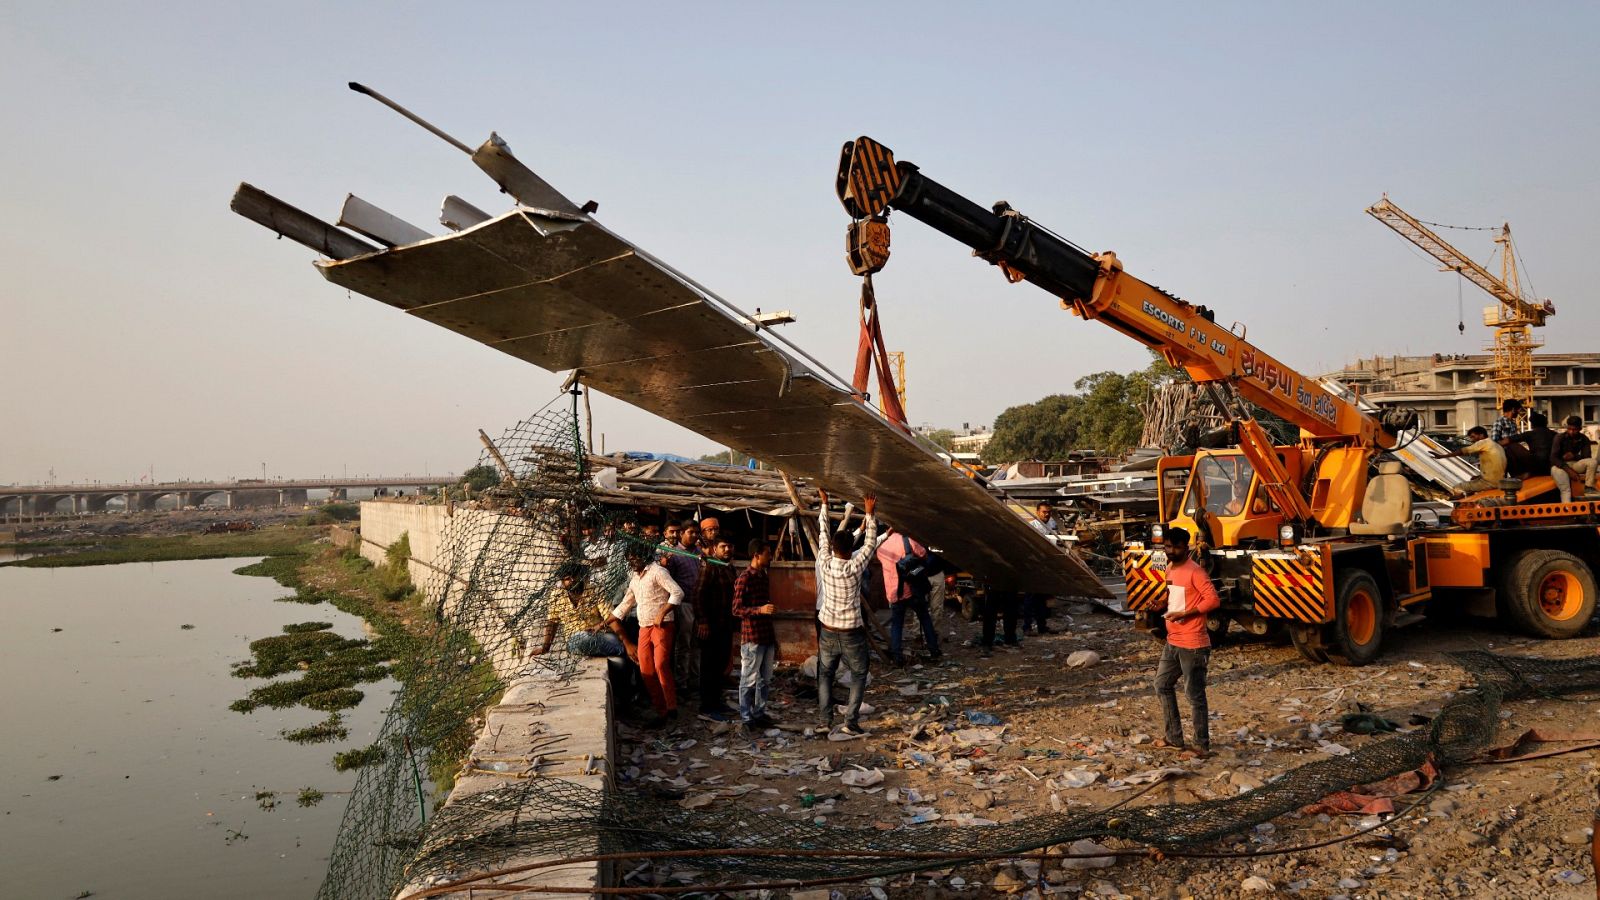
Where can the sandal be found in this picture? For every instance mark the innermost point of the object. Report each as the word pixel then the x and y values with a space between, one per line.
pixel 1163 744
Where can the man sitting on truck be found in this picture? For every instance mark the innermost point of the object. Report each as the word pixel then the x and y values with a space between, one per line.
pixel 1571 460
pixel 1190 598
pixel 1491 461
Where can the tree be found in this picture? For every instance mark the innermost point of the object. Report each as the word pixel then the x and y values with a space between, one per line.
pixel 728 458
pixel 943 438
pixel 480 478
pixel 1045 429
pixel 1103 416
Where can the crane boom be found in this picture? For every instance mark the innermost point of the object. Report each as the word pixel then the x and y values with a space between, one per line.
pixel 1094 286
pixel 1513 324
pixel 1405 225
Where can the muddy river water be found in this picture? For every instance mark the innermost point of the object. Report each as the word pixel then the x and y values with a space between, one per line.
pixel 123 774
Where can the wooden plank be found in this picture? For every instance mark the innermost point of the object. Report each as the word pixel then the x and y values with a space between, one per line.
pixel 296 224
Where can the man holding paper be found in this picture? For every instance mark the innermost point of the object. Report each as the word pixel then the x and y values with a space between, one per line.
pixel 1190 598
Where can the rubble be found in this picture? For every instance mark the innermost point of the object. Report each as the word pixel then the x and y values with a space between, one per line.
pixel 987 741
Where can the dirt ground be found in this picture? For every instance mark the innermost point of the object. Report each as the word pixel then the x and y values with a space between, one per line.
pixel 1514 831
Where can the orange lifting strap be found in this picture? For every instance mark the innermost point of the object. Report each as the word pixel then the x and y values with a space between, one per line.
pixel 870 353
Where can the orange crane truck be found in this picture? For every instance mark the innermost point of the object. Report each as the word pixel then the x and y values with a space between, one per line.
pixel 1316 538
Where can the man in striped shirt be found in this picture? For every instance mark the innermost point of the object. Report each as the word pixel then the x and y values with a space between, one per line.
pixel 843 638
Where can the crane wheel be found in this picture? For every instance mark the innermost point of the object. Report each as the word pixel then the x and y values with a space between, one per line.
pixel 1217 628
pixel 1356 635
pixel 1308 640
pixel 1548 593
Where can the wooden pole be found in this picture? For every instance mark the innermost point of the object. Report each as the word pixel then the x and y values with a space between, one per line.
pixel 494 451
pixel 588 421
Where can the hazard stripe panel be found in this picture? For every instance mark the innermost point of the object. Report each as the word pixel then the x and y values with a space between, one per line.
pixel 1147 584
pixel 1288 588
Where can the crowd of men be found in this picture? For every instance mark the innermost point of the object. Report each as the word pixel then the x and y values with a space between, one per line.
pixel 673 601
pixel 1567 456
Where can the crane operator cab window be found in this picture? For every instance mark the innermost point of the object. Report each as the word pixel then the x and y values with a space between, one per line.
pixel 1227 485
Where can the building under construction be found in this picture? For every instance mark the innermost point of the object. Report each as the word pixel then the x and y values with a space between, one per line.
pixel 1455 392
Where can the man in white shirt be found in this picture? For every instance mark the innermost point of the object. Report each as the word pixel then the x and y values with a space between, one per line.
pixel 656 598
pixel 1036 607
pixel 843 638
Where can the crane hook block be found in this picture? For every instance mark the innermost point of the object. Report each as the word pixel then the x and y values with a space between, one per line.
pixel 867 245
pixel 868 178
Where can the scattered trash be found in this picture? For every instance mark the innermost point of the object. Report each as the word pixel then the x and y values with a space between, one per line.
pixel 1366 723
pixel 1082 659
pixel 1088 862
pixel 978 717
pixel 862 777
pixel 1255 884
pixel 1077 778
pixel 697 801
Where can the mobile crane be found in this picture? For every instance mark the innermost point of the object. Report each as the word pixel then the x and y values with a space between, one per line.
pixel 1316 537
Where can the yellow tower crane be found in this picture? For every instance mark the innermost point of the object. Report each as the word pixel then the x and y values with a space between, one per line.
pixel 1513 320
pixel 898 360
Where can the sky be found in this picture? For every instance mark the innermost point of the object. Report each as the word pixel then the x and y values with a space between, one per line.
pixel 1225 151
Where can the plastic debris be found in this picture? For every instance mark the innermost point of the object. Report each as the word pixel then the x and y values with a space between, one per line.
pixel 862 777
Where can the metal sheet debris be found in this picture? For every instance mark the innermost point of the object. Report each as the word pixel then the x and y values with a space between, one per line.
pixel 566 293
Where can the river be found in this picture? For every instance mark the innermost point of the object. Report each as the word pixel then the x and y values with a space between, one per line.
pixel 123 774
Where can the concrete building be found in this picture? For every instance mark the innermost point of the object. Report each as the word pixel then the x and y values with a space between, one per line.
pixel 1451 393
pixel 973 441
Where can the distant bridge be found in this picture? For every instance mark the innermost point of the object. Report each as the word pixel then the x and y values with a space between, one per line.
pixel 51 499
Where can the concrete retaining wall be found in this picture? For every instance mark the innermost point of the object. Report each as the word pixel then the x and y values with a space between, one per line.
pixel 537 704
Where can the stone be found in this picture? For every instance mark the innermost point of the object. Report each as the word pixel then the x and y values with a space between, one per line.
pixel 1575 836
pixel 1255 884
pixel 982 800
pixel 1088 862
pixel 1082 659
pixel 1007 881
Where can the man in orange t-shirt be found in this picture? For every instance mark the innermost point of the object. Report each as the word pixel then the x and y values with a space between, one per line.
pixel 1190 597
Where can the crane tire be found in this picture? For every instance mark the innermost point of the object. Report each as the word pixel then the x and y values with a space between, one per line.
pixel 1355 637
pixel 1549 593
pixel 1308 640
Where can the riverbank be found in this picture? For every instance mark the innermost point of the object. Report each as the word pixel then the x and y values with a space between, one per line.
pixel 104 551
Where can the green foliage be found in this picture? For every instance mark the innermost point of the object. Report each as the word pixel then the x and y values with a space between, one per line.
pixel 342 512
pixel 942 438
pixel 1104 416
pixel 302 627
pixel 309 797
pixel 334 700
pixel 480 478
pixel 394 576
pixel 273 541
pixel 286 652
pixel 329 729
pixel 728 457
pixel 346 760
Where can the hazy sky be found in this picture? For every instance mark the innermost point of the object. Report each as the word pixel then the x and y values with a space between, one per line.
pixel 1225 151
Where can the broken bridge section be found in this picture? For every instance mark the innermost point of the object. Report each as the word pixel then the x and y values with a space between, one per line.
pixel 563 292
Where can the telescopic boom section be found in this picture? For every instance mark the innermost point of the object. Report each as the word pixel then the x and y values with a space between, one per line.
pixel 1094 286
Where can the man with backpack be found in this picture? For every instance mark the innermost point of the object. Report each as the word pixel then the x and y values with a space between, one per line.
pixel 907 570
